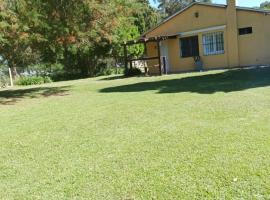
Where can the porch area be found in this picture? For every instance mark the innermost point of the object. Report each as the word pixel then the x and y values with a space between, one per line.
pixel 162 61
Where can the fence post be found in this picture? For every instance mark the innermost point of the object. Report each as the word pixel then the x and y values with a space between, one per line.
pixel 10 77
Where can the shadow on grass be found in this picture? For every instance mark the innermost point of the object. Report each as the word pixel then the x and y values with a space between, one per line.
pixel 227 81
pixel 11 97
pixel 119 77
pixel 111 78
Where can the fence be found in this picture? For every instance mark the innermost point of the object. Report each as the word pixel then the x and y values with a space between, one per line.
pixel 4 77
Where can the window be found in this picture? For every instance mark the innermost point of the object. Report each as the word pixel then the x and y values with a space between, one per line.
pixel 213 43
pixel 244 31
pixel 189 46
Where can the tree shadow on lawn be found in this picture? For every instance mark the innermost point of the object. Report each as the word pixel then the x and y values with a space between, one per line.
pixel 226 81
pixel 116 77
pixel 11 97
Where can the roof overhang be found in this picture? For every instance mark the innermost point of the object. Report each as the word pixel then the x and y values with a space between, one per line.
pixel 204 30
pixel 150 39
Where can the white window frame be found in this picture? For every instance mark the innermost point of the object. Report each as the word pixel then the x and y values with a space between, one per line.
pixel 211 39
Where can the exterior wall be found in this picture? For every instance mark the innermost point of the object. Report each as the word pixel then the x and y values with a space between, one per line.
pixel 244 50
pixel 152 52
pixel 232 34
pixel 179 64
pixel 184 22
pixel 254 49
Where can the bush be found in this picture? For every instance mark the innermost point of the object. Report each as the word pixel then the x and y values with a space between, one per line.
pixel 33 80
pixel 65 76
pixel 132 72
pixel 47 79
pixel 110 71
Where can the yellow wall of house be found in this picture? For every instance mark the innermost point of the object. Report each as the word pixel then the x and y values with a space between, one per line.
pixel 186 21
pixel 152 52
pixel 254 49
pixel 232 34
pixel 245 50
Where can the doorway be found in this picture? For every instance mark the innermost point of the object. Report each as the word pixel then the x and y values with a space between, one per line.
pixel 164 53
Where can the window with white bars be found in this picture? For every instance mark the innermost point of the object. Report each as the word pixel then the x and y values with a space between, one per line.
pixel 213 43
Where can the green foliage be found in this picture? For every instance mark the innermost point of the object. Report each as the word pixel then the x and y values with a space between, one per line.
pixel 169 7
pixel 70 36
pixel 265 5
pixel 132 72
pixel 111 71
pixel 33 80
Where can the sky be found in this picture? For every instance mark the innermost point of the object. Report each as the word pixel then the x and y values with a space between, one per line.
pixel 246 3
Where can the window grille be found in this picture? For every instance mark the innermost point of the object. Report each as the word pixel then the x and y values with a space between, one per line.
pixel 213 43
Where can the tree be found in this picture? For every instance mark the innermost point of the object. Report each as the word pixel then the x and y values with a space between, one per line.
pixel 138 17
pixel 265 5
pixel 73 36
pixel 17 34
pixel 169 7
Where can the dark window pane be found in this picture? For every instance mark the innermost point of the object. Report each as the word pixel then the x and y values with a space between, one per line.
pixel 244 31
pixel 189 46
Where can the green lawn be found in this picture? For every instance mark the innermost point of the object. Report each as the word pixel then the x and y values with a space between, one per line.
pixel 190 136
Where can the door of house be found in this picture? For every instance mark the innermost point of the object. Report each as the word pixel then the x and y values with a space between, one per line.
pixel 164 52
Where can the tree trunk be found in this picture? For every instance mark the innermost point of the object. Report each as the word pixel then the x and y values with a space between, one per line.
pixel 14 72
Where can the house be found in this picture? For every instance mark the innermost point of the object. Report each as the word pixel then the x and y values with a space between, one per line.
pixel 216 36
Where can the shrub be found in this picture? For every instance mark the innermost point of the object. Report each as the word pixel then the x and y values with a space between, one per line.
pixel 33 80
pixel 132 72
pixel 110 71
pixel 47 79
pixel 65 76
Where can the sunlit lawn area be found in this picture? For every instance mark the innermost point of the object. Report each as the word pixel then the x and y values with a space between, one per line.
pixel 189 136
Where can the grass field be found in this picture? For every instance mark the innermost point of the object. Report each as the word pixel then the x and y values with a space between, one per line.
pixel 190 136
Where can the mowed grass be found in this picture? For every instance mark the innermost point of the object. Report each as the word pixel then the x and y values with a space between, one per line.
pixel 190 136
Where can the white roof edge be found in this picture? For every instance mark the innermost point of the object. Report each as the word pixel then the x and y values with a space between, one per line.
pixel 212 28
pixel 253 9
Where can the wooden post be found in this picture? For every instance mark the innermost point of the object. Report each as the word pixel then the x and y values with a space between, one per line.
pixel 159 58
pixel 145 49
pixel 10 77
pixel 125 56
pixel 145 62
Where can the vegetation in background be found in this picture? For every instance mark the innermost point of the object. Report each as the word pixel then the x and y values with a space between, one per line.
pixel 132 72
pixel 71 36
pixel 265 5
pixel 169 7
pixel 33 80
